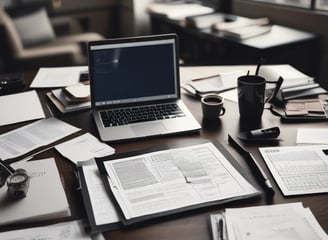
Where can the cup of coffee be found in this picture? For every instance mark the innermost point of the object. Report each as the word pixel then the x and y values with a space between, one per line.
pixel 212 106
pixel 251 94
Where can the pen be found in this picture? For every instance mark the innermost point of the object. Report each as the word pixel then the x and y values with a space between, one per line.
pixel 6 166
pixel 203 78
pixel 256 168
pixel 221 228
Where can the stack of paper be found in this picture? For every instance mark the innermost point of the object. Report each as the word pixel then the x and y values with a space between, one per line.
pixel 46 198
pixel 179 11
pixel 275 222
pixel 63 231
pixel 212 84
pixel 247 32
pixel 64 105
pixel 292 76
pixel 295 85
pixel 240 22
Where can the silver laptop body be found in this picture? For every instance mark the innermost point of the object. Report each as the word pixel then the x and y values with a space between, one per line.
pixel 133 73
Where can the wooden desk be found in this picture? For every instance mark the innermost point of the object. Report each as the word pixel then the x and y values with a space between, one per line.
pixel 191 225
pixel 281 45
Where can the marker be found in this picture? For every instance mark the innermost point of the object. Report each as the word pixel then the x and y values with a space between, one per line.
pixel 256 168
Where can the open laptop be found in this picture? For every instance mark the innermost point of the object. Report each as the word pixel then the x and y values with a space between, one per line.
pixel 135 88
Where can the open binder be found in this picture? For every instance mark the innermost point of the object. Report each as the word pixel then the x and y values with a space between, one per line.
pixel 242 187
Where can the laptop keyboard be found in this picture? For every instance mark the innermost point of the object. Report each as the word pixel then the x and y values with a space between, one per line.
pixel 123 116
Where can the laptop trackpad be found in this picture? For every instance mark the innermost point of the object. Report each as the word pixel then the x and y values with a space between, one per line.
pixel 148 129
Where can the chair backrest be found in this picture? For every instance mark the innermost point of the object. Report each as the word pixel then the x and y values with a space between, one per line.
pixel 9 34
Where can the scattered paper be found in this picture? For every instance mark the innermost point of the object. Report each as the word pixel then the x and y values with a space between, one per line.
pixel 298 169
pixel 62 231
pixel 25 139
pixel 274 222
pixel 57 76
pixel 20 107
pixel 179 11
pixel 312 136
pixel 84 148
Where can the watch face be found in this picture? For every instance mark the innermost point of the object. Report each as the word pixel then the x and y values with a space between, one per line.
pixel 18 178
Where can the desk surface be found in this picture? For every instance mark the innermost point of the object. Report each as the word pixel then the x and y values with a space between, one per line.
pixel 191 225
pixel 278 36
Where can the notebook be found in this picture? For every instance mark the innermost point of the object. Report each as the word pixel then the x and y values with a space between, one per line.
pixel 135 88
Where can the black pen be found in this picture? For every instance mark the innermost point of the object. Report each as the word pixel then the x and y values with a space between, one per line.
pixel 256 168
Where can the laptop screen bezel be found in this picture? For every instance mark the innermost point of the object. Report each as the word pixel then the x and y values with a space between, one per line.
pixel 130 40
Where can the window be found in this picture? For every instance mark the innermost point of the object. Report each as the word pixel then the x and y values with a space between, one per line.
pixel 309 4
pixel 322 4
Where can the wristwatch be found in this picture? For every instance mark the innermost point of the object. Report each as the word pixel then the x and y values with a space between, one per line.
pixel 18 184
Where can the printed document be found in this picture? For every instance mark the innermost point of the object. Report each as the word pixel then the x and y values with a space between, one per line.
pixel 289 221
pixel 172 179
pixel 103 208
pixel 20 107
pixel 62 231
pixel 298 169
pixel 84 148
pixel 57 76
pixel 45 199
pixel 32 136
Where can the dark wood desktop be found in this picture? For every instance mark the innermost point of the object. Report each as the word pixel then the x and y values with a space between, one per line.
pixel 194 224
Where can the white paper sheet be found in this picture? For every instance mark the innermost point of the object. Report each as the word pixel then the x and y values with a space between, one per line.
pixel 103 208
pixel 312 136
pixel 57 76
pixel 25 139
pixel 274 222
pixel 227 79
pixel 62 231
pixel 298 169
pixel 20 107
pixel 84 148
pixel 171 179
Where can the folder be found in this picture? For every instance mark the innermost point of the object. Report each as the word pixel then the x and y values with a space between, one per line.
pixel 228 163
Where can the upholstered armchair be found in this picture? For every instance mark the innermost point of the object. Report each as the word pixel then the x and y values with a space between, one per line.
pixel 30 42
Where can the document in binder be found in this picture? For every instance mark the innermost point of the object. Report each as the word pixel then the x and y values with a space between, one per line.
pixel 151 184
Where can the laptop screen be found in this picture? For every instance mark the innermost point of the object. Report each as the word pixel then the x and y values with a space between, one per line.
pixel 133 70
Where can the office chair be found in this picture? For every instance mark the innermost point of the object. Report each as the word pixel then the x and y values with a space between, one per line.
pixel 50 51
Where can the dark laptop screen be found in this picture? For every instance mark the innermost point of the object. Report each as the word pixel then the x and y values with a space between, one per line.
pixel 133 71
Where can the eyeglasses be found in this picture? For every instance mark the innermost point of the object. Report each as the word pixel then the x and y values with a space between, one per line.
pixel 5 171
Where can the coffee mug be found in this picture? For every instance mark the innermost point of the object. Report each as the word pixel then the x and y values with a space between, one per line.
pixel 251 94
pixel 212 106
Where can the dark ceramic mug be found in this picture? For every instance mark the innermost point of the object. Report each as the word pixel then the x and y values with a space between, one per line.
pixel 251 94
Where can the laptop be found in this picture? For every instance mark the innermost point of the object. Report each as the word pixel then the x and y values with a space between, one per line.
pixel 135 88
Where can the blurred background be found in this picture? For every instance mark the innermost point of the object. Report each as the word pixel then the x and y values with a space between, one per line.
pixel 98 19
